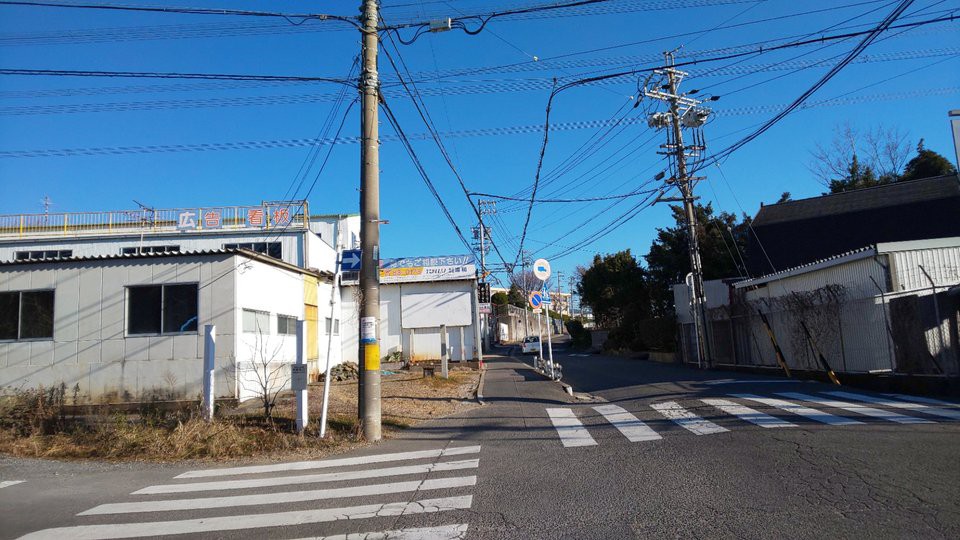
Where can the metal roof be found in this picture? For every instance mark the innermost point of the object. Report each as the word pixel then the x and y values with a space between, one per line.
pixel 849 256
pixel 201 253
pixel 887 195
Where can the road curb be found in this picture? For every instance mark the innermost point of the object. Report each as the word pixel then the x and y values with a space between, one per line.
pixel 479 390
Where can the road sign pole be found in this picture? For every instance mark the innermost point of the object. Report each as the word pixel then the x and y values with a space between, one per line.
pixel 540 333
pixel 298 378
pixel 550 345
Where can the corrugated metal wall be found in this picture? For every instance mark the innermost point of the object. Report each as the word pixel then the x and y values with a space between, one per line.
pixel 943 265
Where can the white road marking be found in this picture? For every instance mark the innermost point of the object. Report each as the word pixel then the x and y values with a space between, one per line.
pixel 859 409
pixel 8 483
pixel 748 414
pixel 570 429
pixel 749 381
pixel 309 478
pixel 928 401
pixel 325 464
pixel 631 426
pixel 280 498
pixel 813 414
pixel 686 419
pixel 448 532
pixel 251 521
pixel 936 411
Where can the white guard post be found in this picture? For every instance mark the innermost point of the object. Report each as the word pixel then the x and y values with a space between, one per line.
pixel 539 333
pixel 209 361
pixel 298 378
pixel 444 352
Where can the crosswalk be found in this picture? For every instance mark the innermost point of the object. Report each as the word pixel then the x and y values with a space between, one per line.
pixel 260 499
pixel 791 409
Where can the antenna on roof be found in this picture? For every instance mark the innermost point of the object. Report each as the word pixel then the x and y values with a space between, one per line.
pixel 144 209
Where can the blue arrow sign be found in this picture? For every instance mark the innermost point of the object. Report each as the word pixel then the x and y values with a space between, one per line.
pixel 350 260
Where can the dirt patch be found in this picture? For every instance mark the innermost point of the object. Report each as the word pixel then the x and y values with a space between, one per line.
pixel 35 426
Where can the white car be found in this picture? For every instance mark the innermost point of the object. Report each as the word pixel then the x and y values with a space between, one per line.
pixel 530 345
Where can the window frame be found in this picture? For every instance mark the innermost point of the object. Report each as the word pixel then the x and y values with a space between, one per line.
pixel 126 312
pixel 53 329
pixel 290 318
pixel 263 331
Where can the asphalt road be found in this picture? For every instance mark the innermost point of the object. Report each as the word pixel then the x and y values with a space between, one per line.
pixel 644 456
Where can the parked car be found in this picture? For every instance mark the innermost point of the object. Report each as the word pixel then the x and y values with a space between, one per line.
pixel 530 345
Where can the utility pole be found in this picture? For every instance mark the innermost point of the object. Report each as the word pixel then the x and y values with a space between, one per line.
pixel 692 116
pixel 486 207
pixel 369 354
pixel 560 298
pixel 525 261
pixel 570 303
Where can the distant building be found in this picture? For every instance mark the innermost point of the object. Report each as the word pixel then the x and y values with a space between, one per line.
pixel 887 307
pixel 419 296
pixel 799 232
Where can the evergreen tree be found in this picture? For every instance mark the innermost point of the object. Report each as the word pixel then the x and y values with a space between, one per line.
pixel 927 164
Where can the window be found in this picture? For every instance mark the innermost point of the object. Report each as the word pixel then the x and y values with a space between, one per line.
pixel 256 321
pixel 162 309
pixel 26 315
pixel 149 249
pixel 333 324
pixel 286 325
pixel 273 249
pixel 50 254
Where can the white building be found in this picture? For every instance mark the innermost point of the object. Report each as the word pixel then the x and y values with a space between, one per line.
pixel 418 296
pixel 889 307
pixel 94 301
pixel 113 305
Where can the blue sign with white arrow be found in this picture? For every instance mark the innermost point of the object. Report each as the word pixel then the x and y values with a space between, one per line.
pixel 350 260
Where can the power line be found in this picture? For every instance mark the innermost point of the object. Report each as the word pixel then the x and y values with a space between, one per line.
pixel 166 75
pixel 289 17
pixel 467 133
pixel 870 37
pixel 423 173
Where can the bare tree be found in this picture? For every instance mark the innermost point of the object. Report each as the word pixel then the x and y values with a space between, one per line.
pixel 884 150
pixel 270 374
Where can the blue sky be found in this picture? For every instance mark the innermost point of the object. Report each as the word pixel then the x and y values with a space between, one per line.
pixel 488 118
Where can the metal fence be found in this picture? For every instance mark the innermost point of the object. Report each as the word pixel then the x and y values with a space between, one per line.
pixel 905 333
pixel 266 216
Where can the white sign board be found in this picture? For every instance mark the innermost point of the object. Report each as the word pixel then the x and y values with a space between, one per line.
pixel 430 309
pixel 486 309
pixel 541 269
pixel 298 376
pixel 414 269
pixel 368 330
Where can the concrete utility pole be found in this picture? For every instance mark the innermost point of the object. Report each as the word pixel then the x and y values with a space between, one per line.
pixel 560 299
pixel 369 354
pixel 486 207
pixel 692 116
pixel 525 261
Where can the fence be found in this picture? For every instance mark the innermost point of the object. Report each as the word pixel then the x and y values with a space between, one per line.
pixel 510 324
pixel 266 216
pixel 913 333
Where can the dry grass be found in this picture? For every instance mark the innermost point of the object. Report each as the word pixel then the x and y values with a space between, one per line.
pixel 41 430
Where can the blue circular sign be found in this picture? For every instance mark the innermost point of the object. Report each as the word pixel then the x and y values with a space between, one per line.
pixel 536 299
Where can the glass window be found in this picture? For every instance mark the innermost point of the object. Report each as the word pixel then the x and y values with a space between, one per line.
pixel 26 315
pixel 329 326
pixel 336 327
pixel 36 314
pixel 286 325
pixel 9 315
pixel 180 308
pixel 256 321
pixel 144 309
pixel 274 250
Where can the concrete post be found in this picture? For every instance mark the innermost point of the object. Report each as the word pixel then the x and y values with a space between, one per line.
pixel 444 351
pixel 298 377
pixel 209 362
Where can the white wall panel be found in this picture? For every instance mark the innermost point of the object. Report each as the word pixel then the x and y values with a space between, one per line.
pixel 432 309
